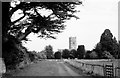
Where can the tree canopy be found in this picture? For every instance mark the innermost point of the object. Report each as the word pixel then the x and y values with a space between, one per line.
pixel 108 45
pixel 32 20
pixel 73 54
pixel 57 55
pixel 81 51
pixel 65 53
pixel 49 52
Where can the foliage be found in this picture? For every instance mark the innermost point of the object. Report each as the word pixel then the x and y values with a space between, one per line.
pixel 13 52
pixel 119 50
pixel 107 55
pixel 93 55
pixel 49 52
pixel 42 55
pixel 31 21
pixel 108 44
pixel 57 55
pixel 98 49
pixel 32 55
pixel 73 54
pixel 80 52
pixel 65 53
pixel 87 54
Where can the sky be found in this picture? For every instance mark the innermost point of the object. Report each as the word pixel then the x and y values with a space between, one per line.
pixel 95 16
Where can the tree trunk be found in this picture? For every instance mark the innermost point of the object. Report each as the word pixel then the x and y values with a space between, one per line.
pixel 5 19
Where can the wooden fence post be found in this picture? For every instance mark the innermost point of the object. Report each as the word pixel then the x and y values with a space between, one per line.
pixel 104 70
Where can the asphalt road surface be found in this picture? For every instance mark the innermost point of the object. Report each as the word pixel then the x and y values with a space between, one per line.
pixel 48 68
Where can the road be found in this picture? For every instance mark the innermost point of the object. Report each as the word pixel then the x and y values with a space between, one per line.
pixel 48 68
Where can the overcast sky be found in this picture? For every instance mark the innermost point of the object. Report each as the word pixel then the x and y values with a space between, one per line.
pixel 95 17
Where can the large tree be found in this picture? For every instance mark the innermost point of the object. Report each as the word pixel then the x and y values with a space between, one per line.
pixel 16 29
pixel 108 45
pixel 33 21
pixel 106 40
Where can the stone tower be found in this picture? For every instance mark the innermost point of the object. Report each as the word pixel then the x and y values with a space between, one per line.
pixel 72 43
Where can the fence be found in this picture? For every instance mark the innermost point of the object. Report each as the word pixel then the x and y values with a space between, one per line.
pixel 108 70
pixel 117 69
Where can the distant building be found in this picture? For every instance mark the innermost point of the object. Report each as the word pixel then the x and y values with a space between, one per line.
pixel 72 43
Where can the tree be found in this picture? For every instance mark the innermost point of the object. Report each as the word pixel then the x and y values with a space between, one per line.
pixel 98 49
pixel 57 55
pixel 65 53
pixel 13 53
pixel 31 56
pixel 32 21
pixel 42 55
pixel 119 50
pixel 108 47
pixel 106 40
pixel 115 48
pixel 73 54
pixel 87 54
pixel 107 55
pixel 93 55
pixel 49 51
pixel 109 43
pixel 81 51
